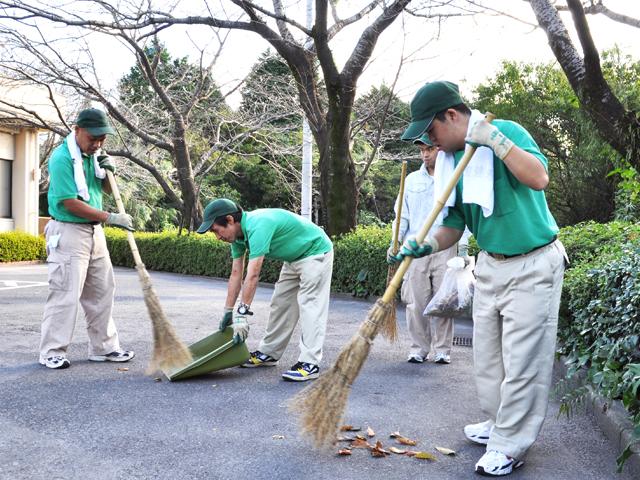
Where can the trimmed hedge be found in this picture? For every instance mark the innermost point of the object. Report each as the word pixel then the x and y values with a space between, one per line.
pixel 20 247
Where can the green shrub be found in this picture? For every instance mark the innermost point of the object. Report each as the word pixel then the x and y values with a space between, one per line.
pixel 20 247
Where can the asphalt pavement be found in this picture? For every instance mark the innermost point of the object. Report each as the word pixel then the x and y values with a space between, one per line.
pixel 111 421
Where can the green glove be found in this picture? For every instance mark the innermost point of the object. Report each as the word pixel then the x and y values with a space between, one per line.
pixel 411 248
pixel 227 318
pixel 485 134
pixel 463 250
pixel 240 328
pixel 120 220
pixel 106 162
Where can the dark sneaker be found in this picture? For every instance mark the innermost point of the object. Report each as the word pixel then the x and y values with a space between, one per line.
pixel 301 372
pixel 57 361
pixel 115 356
pixel 259 359
pixel 496 464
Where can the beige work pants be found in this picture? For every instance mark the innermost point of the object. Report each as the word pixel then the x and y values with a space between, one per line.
pixel 301 293
pixel 515 314
pixel 80 273
pixel 429 335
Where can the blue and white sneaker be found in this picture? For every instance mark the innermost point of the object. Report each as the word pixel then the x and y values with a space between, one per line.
pixel 301 372
pixel 496 464
pixel 479 432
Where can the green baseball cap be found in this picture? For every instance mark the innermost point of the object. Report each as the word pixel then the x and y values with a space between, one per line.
pixel 432 98
pixel 216 208
pixel 95 122
pixel 424 139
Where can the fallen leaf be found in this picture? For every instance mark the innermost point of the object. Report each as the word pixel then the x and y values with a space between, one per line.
pixel 341 438
pixel 370 432
pixel 277 437
pixel 157 379
pixel 399 451
pixel 360 443
pixel 123 369
pixel 411 453
pixel 378 451
pixel 446 451
pixel 214 385
pixel 406 441
pixel 425 456
pixel 349 428
pixel 344 451
pixel 360 436
pixel 395 435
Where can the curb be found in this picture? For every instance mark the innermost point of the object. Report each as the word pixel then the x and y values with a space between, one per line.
pixel 614 421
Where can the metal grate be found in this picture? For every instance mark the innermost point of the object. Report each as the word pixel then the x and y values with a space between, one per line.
pixel 463 341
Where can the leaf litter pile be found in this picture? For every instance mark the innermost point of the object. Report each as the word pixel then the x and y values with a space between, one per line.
pixel 402 444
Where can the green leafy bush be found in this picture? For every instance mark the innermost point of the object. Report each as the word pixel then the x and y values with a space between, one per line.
pixel 20 247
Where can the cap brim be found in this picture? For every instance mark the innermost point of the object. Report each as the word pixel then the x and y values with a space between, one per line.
pixel 416 129
pixel 99 131
pixel 205 227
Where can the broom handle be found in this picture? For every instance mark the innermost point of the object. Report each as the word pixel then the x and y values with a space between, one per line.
pixel 396 233
pixel 394 284
pixel 116 194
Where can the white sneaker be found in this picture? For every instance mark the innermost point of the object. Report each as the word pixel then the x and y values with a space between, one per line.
pixel 442 358
pixel 57 361
pixel 415 358
pixel 495 464
pixel 115 356
pixel 479 432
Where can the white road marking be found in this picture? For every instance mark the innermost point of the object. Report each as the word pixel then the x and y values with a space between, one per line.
pixel 13 284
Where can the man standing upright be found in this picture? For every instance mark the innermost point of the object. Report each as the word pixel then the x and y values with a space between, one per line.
pixel 431 337
pixel 301 292
pixel 80 270
pixel 519 271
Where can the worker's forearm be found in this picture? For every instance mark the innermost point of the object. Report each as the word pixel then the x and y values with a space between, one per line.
pixel 251 280
pixel 84 210
pixel 235 282
pixel 446 237
pixel 527 168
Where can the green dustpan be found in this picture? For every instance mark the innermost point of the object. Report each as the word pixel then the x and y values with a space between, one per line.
pixel 212 353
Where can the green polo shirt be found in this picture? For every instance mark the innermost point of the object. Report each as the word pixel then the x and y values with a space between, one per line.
pixel 62 186
pixel 521 220
pixel 279 234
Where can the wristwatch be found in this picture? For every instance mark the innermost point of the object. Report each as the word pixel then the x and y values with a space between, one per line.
pixel 243 309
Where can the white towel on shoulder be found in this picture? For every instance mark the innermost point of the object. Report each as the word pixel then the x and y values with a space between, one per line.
pixel 477 179
pixel 78 170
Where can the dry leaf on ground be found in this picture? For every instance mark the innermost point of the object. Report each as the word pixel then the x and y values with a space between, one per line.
pixel 406 441
pixel 378 451
pixel 399 451
pixel 394 435
pixel 370 432
pixel 349 428
pixel 344 451
pixel 277 437
pixel 425 456
pixel 123 369
pixel 360 443
pixel 446 451
pixel 343 438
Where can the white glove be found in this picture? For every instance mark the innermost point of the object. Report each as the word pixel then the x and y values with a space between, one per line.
pixel 240 327
pixel 485 134
pixel 120 220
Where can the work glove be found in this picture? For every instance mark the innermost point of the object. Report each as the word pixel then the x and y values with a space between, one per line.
pixel 227 318
pixel 390 256
pixel 485 134
pixel 106 162
pixel 240 328
pixel 411 248
pixel 120 220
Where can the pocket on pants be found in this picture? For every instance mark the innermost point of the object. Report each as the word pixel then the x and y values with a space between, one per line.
pixel 59 274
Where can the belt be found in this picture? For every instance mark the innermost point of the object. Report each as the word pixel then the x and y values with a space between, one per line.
pixel 500 256
pixel 76 223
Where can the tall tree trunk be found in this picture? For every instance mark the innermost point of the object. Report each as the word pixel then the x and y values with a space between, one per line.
pixel 618 126
pixel 192 209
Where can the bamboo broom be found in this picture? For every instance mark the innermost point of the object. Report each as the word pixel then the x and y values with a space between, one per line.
pixel 169 353
pixel 389 328
pixel 321 404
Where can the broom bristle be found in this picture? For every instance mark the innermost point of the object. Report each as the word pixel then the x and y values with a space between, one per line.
pixel 169 352
pixel 321 405
pixel 389 328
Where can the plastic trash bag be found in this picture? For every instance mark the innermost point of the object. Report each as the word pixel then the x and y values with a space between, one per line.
pixel 454 298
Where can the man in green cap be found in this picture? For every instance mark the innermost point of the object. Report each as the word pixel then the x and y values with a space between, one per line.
pixel 431 337
pixel 80 270
pixel 300 294
pixel 519 271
